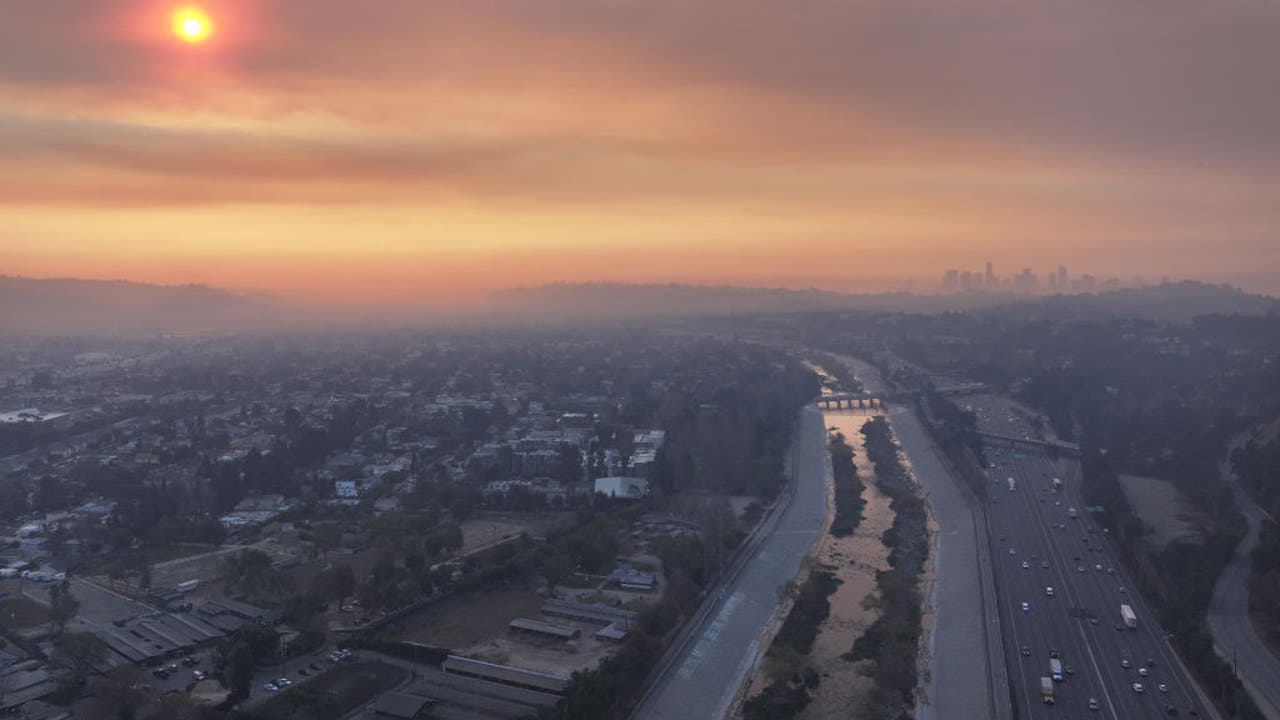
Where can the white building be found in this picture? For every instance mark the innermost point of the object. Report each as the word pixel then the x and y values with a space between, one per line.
pixel 623 487
pixel 346 488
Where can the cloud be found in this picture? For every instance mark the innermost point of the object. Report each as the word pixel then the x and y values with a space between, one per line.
pixel 1128 123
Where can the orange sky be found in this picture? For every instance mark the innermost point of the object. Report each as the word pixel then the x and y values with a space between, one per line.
pixel 409 150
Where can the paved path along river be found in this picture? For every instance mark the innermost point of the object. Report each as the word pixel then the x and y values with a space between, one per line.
pixel 1233 633
pixel 965 671
pixel 702 682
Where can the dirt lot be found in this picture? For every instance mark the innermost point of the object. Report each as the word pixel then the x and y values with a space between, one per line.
pixel 333 694
pixel 459 623
pixel 20 613
pixel 1162 508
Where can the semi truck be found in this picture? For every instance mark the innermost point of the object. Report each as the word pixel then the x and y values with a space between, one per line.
pixel 1046 690
pixel 1126 614
pixel 1055 669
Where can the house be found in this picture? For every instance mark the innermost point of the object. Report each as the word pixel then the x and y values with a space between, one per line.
pixel 346 488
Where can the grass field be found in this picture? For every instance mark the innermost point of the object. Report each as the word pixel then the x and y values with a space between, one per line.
pixel 459 623
pixel 1161 507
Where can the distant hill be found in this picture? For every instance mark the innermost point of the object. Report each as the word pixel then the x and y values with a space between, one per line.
pixel 604 300
pixel 58 306
pixel 1169 302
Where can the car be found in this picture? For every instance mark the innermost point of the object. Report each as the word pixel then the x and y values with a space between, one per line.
pixel 1151 662
pixel 173 667
pixel 160 672
pixel 283 682
pixel 1026 606
pixel 1097 568
pixel 1162 688
pixel 1111 571
pixel 1093 704
pixel 1143 672
pixel 1025 564
pixel 1093 621
pixel 198 675
pixel 189 661
pixel 1137 687
pixel 1048 590
pixel 1053 652
pixel 1124 663
pixel 1026 651
pixel 316 666
pixel 1170 710
pixel 1044 564
pixel 1079 568
pixel 1012 551
pixel 270 687
pixel 1122 590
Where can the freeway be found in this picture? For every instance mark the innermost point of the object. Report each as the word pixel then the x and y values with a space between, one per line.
pixel 705 676
pixel 1037 545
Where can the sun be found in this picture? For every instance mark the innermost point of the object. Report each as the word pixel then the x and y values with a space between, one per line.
pixel 192 25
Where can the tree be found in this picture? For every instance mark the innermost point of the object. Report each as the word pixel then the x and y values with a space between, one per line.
pixel 239 668
pixel 80 653
pixel 261 640
pixel 326 536
pixel 62 604
pixel 123 689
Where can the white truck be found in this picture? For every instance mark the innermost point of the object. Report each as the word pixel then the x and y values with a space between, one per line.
pixel 1012 486
pixel 1130 620
pixel 1055 669
pixel 1046 690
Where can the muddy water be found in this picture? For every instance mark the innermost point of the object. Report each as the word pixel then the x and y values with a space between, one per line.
pixel 855 560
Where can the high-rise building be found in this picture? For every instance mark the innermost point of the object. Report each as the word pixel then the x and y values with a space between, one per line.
pixel 1062 276
pixel 1025 281
pixel 951 280
pixel 990 278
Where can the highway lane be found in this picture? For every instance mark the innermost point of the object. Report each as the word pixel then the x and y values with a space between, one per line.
pixel 1080 621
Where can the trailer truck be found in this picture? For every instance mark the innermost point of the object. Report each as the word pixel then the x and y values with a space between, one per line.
pixel 1046 690
pixel 1126 614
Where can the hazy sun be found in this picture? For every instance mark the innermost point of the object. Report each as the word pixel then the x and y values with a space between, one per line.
pixel 191 24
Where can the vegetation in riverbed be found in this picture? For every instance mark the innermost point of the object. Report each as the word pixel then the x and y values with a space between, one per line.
pixel 890 645
pixel 848 487
pixel 788 693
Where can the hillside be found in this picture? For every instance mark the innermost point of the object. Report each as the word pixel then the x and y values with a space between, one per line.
pixel 57 306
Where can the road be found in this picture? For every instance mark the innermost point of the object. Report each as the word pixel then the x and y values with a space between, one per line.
pixel 702 682
pixel 1081 620
pixel 1233 633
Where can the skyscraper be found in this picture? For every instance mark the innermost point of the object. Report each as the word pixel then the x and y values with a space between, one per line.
pixel 1062 276
pixel 990 278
